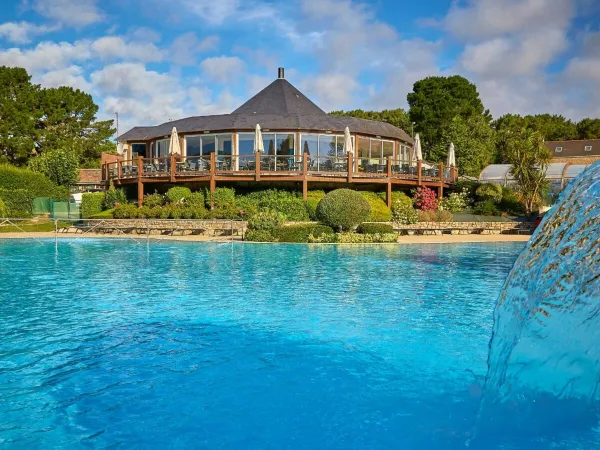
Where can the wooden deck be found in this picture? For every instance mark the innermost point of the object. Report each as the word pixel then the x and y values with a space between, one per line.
pixel 260 168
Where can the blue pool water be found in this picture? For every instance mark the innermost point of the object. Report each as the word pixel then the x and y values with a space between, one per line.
pixel 109 343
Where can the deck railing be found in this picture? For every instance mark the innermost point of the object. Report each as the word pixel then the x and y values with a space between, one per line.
pixel 176 166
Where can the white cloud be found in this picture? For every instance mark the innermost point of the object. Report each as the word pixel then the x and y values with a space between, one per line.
pixel 223 11
pixel 23 32
pixel 75 13
pixel 185 48
pixel 115 47
pixel 144 34
pixel 480 19
pixel 223 69
pixel 46 56
pixel 333 91
pixel 72 76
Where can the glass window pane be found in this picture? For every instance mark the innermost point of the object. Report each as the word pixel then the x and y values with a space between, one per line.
pixel 376 151
pixel 269 143
pixel 163 148
pixel 310 144
pixel 138 150
pixel 363 151
pixel 208 144
pixel 192 145
pixel 340 146
pixel 246 144
pixel 326 145
pixel 224 144
pixel 388 150
pixel 285 144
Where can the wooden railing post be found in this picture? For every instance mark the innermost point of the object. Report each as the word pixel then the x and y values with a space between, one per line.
pixel 419 171
pixel 388 192
pixel 140 184
pixel 304 176
pixel 140 164
pixel 119 168
pixel 389 166
pixel 213 183
pixel 350 167
pixel 104 172
pixel 441 185
pixel 173 167
pixel 257 166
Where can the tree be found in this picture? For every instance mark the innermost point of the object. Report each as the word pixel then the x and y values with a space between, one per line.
pixel 35 120
pixel 529 158
pixel 588 129
pixel 474 143
pixel 61 166
pixel 19 114
pixel 397 117
pixel 436 101
pixel 551 127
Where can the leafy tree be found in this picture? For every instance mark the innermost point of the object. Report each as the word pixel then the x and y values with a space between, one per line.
pixel 474 143
pixel 529 157
pixel 551 127
pixel 436 101
pixel 19 114
pixel 61 166
pixel 588 129
pixel 397 117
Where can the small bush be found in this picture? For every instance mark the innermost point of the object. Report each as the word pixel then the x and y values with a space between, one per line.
pixel 354 238
pixel 153 200
pixel 470 187
pixel 510 203
pixel 259 236
pixel 160 212
pixel 145 212
pixel 125 212
pixel 425 199
pixel 113 196
pixel 343 208
pixel 486 208
pixel 18 202
pixel 198 211
pixel 456 202
pixel 267 220
pixel 425 216
pixel 223 198
pixel 230 212
pixel 196 199
pixel 405 214
pixel 246 207
pixel 288 203
pixel 443 216
pixel 301 232
pixel 379 209
pixel 175 212
pixel 374 228
pixel 187 213
pixel 178 194
pixel 399 199
pixel 489 191
pixel 91 204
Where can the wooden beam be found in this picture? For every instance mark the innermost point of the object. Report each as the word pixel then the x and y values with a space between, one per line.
pixel 350 168
pixel 441 185
pixel 304 176
pixel 212 181
pixel 173 167
pixel 419 172
pixel 140 185
pixel 257 166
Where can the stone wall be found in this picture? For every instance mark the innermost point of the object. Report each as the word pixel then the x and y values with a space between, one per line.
pixel 179 226
pixel 464 227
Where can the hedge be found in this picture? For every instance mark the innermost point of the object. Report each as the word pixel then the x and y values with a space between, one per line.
pixel 37 184
pixel 354 238
pixel 259 236
pixel 375 228
pixel 379 209
pixel 91 204
pixel 288 203
pixel 301 233
pixel 343 208
pixel 18 202
pixel 3 209
pixel 178 194
pixel 311 203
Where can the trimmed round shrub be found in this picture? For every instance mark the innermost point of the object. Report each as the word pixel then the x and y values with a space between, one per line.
pixel 259 236
pixel 91 204
pixel 178 194
pixel 374 228
pixel 379 209
pixel 153 200
pixel 489 191
pixel 301 232
pixel 196 199
pixel 125 212
pixel 266 220
pixel 343 208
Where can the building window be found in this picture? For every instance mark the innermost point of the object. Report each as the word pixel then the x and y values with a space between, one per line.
pixel 558 149
pixel 138 150
pixel 162 148
pixel 588 148
pixel 205 144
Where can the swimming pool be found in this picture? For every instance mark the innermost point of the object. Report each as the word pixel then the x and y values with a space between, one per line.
pixel 109 342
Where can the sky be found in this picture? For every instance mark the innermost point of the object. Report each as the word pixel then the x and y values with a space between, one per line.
pixel 159 60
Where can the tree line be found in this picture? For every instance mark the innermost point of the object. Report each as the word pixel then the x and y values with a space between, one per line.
pixel 449 109
pixel 51 130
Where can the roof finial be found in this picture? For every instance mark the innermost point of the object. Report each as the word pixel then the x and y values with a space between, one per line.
pixel 281 73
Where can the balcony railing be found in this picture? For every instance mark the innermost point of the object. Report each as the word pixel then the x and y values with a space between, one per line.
pixel 177 167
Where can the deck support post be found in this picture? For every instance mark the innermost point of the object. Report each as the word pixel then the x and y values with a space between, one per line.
pixel 419 172
pixel 172 175
pixel 213 182
pixel 441 185
pixel 304 176
pixel 119 168
pixel 388 192
pixel 140 185
pixel 257 167
pixel 350 168
pixel 104 172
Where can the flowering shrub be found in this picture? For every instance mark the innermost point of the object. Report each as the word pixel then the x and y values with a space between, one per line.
pixel 425 199
pixel 456 202
pixel 404 214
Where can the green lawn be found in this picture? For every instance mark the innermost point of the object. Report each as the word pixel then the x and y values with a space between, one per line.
pixel 32 227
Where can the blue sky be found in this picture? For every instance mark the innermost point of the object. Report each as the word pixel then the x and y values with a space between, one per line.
pixel 155 60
